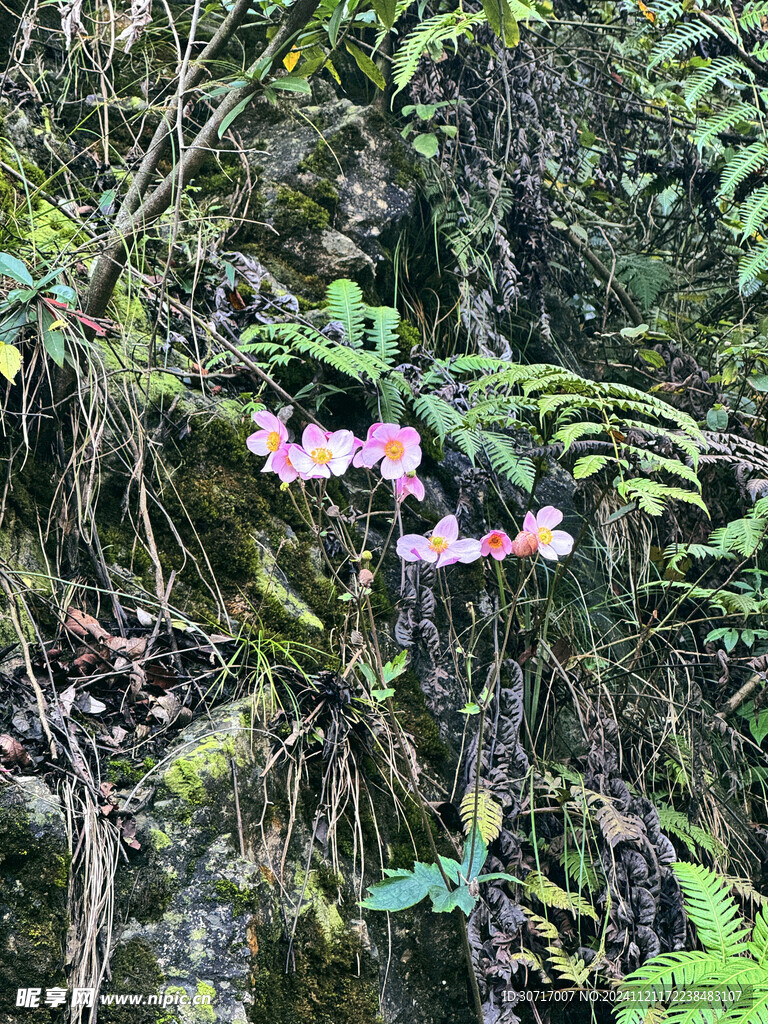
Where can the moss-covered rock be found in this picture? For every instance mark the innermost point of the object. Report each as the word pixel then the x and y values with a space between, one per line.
pixel 34 867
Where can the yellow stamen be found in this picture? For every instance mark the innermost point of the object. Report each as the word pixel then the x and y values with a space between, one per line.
pixel 321 456
pixel 495 540
pixel 273 441
pixel 438 544
pixel 544 535
pixel 394 450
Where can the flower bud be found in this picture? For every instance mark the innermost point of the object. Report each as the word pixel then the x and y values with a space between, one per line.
pixel 525 544
pixel 365 577
pixel 366 556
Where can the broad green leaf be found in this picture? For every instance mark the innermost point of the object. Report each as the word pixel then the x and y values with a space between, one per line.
pixel 9 329
pixel 292 84
pixel 717 419
pixel 386 12
pixel 382 694
pixel 367 66
pixel 10 361
pixel 475 855
pixel 502 21
pixel 53 340
pixel 10 266
pixel 427 145
pixel 443 901
pixel 235 112
pixel 398 892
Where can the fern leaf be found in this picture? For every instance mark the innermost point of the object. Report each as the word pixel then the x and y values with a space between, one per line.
pixel 345 303
pixel 382 334
pixel 551 895
pixel 712 909
pixel 481 811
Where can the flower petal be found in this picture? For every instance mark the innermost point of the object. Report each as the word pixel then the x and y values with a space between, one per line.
pixel 410 437
pixel 257 443
pixel 411 459
pixel 447 528
pixel 562 542
pixel 413 548
pixel 313 437
pixel 268 421
pixel 549 517
pixel 300 460
pixel 460 551
pixel 392 469
pixel 341 442
pixel 529 523
pixel 547 551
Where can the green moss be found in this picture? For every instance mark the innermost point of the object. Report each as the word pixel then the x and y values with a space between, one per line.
pixel 134 969
pixel 33 895
pixel 410 337
pixel 242 900
pixel 158 839
pixel 193 778
pixel 295 213
pixel 333 981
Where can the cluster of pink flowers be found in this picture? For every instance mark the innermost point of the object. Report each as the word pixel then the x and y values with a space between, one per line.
pixel 396 450
pixel 443 546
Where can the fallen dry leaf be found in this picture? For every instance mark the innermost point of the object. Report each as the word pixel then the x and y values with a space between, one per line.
pixel 13 754
pixel 82 625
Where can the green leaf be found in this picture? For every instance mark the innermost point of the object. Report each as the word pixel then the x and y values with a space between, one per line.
pixel 235 112
pixel 475 855
pixel 10 361
pixel 382 694
pixel 502 21
pixel 398 892
pixel 335 22
pixel 12 267
pixel 652 357
pixel 443 901
pixel 386 12
pixel 367 66
pixel 588 465
pixel 634 332
pixel 53 341
pixel 9 329
pixel 292 84
pixel 717 419
pixel 759 383
pixel 427 145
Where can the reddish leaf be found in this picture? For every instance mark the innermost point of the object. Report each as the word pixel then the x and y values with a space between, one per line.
pixel 82 624
pixel 12 753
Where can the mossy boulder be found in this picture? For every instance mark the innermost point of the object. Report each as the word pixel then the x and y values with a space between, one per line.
pixel 34 868
pixel 334 182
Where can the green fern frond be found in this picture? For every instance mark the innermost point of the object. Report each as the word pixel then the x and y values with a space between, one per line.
pixel 753 264
pixel 712 909
pixel 480 810
pixel 345 303
pixel 749 160
pixel 430 35
pixel 551 895
pixel 382 332
pixel 692 836
pixel 569 968
pixel 683 37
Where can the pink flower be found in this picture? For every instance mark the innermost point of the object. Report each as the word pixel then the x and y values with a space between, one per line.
pixel 398 447
pixel 409 484
pixel 525 544
pixel 269 439
pixel 551 543
pixel 496 544
pixel 282 465
pixel 443 547
pixel 321 453
pixel 357 462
